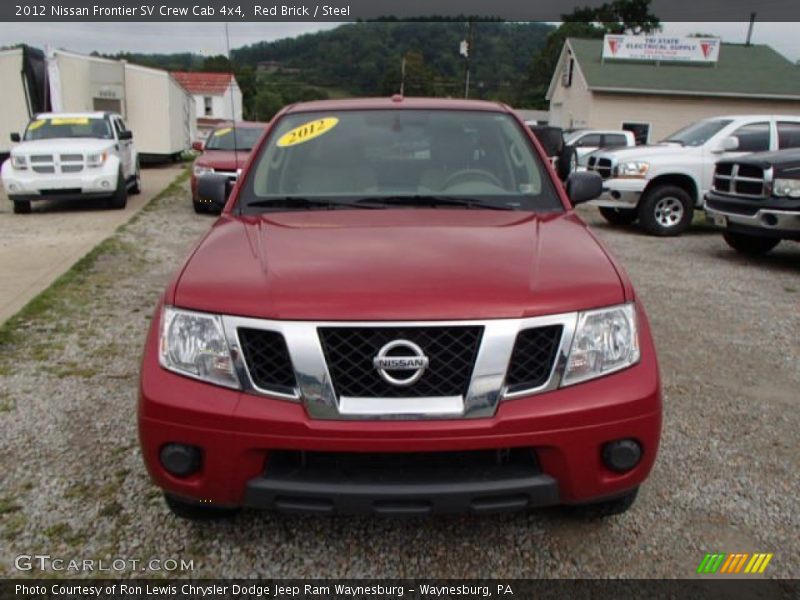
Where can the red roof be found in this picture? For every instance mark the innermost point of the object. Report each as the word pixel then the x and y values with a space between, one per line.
pixel 214 84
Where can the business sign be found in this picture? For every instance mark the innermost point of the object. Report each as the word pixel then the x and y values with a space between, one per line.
pixel 661 48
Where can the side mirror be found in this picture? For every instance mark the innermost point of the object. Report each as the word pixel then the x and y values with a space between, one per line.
pixel 125 135
pixel 583 186
pixel 728 144
pixel 213 189
pixel 198 146
pixel 15 137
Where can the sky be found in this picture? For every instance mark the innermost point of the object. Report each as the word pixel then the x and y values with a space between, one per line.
pixel 209 38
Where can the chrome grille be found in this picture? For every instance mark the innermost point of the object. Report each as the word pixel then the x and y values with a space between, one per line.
pixel 41 158
pixel 601 165
pixel 72 158
pixel 349 352
pixel 745 180
pixel 533 357
pixel 44 169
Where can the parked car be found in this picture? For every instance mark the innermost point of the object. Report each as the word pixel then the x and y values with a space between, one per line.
pixel 755 200
pixel 225 151
pixel 399 312
pixel 661 185
pixel 72 156
pixel 585 141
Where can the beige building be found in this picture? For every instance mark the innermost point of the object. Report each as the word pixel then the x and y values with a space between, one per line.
pixel 656 99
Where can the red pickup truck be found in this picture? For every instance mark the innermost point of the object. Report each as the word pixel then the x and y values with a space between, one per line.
pixel 399 312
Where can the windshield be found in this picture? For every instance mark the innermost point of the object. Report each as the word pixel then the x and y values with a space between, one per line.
pixel 698 133
pixel 68 127
pixel 399 157
pixel 244 137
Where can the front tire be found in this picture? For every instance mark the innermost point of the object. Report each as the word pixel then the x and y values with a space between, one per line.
pixel 605 508
pixel 136 188
pixel 666 210
pixel 22 207
pixel 750 244
pixel 618 216
pixel 120 198
pixel 197 512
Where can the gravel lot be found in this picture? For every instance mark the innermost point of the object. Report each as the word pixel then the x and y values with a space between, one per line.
pixel 73 484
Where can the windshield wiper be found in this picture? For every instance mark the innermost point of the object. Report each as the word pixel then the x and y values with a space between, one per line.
pixel 303 202
pixel 431 201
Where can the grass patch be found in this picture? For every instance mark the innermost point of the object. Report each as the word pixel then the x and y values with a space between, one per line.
pixel 8 505
pixel 790 289
pixel 7 405
pixel 68 287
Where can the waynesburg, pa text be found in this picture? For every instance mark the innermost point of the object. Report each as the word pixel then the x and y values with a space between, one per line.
pixel 259 591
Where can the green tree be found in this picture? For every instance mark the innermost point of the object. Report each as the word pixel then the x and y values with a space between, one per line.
pixel 265 104
pixel 619 16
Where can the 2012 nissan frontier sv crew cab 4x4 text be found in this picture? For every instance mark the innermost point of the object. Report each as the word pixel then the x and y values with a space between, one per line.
pixel 399 312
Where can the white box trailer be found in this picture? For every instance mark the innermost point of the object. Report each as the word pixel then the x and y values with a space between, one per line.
pixel 22 81
pixel 156 108
pixel 159 111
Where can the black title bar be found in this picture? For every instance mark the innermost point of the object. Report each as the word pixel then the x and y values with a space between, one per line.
pixel 351 10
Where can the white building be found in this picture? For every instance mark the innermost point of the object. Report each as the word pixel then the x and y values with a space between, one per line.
pixel 655 98
pixel 217 97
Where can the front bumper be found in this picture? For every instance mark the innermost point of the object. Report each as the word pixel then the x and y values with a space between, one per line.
pixel 239 432
pixel 752 218
pixel 28 185
pixel 621 193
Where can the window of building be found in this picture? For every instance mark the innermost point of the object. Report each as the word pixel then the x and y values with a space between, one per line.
pixel 207 106
pixel 641 131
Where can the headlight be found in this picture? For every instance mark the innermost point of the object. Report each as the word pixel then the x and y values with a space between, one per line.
pixel 632 169
pixel 95 160
pixel 194 344
pixel 605 340
pixel 19 162
pixel 200 170
pixel 786 187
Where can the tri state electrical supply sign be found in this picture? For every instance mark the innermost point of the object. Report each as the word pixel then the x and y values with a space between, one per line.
pixel 661 48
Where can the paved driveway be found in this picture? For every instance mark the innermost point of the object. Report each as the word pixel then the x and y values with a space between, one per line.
pixel 36 248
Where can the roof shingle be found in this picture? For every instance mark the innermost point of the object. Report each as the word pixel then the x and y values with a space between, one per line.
pixel 213 84
pixel 756 71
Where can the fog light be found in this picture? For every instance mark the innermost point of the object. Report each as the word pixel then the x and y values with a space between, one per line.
pixel 12 187
pixel 105 184
pixel 622 455
pixel 180 460
pixel 769 220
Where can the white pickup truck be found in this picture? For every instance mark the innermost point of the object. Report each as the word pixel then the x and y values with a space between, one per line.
pixel 72 156
pixel 662 184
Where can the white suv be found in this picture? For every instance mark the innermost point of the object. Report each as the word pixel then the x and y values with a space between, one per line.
pixel 70 156
pixel 662 184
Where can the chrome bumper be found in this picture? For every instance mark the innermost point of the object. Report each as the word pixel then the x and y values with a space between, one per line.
pixel 766 219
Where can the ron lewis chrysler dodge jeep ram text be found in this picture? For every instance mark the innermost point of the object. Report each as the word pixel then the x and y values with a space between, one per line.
pixel 399 312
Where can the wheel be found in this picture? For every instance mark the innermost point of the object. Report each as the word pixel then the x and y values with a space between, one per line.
pixel 605 508
pixel 136 188
pixel 197 512
pixel 22 207
pixel 120 198
pixel 750 244
pixel 567 162
pixel 618 216
pixel 666 210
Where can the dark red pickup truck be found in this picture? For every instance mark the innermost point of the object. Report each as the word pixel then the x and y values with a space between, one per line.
pixel 399 312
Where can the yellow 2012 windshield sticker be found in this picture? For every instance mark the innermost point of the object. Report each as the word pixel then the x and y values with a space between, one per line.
pixel 307 131
pixel 36 124
pixel 223 131
pixel 70 121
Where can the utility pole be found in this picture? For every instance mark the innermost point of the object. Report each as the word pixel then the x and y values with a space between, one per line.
pixel 467 52
pixel 403 75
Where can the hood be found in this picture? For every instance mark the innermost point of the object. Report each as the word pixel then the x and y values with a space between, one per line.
pixel 667 151
pixel 84 145
pixel 786 163
pixel 224 160
pixel 405 264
